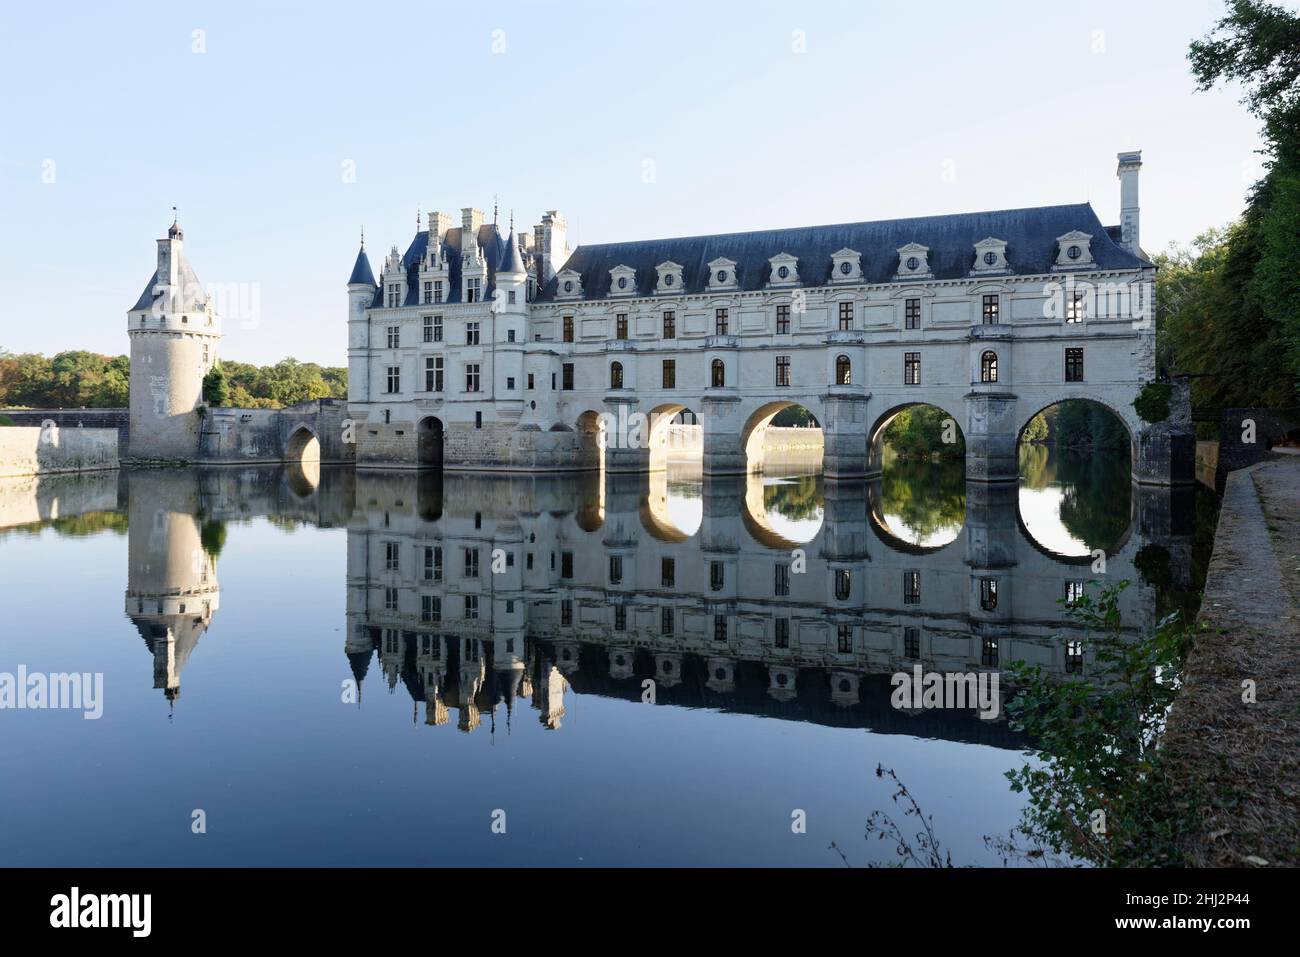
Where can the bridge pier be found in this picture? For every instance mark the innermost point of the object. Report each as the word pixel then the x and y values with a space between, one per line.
pixel 844 434
pixel 991 435
pixel 724 449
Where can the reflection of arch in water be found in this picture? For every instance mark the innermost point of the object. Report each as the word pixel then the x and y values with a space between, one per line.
pixel 429 439
pixel 1034 457
pixel 759 523
pixel 656 516
pixel 302 455
pixel 875 438
pixel 888 536
pixel 754 436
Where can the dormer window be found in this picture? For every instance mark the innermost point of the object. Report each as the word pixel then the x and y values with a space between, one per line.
pixel 785 270
pixel 1074 251
pixel 990 256
pixel 568 284
pixel 670 278
pixel 722 274
pixel 622 281
pixel 914 262
pixel 846 266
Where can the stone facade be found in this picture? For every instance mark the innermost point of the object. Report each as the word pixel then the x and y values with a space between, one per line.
pixel 476 351
pixel 37 450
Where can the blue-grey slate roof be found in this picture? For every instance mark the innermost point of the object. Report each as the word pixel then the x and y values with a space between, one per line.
pixel 489 238
pixel 1030 235
pixel 361 272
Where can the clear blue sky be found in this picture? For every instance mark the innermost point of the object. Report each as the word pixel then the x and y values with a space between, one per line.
pixel 895 109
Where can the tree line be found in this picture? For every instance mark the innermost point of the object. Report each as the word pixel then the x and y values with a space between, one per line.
pixel 79 379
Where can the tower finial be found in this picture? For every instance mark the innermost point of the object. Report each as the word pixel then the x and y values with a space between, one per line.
pixel 176 216
pixel 494 209
pixel 418 218
pixel 363 237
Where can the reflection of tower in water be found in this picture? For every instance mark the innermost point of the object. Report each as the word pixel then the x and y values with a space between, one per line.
pixel 172 590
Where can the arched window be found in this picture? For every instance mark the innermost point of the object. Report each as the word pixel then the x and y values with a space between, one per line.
pixel 719 374
pixel 843 373
pixel 616 375
pixel 989 367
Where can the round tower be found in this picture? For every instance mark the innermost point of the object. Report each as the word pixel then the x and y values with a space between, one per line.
pixel 174 332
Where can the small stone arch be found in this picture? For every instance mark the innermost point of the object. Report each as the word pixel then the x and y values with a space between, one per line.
pixel 303 445
pixel 430 441
pixel 1127 418
pixel 875 442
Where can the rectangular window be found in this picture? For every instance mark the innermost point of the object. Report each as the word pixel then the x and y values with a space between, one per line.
pixel 670 325
pixel 566 611
pixel 990 309
pixel 473 289
pixel 471 563
pixel 437 290
pixel 471 607
pixel 615 569
pixel 912 642
pixel 566 564
pixel 392 556
pixel 911 587
pixel 433 374
pixel 666 621
pixel 989 653
pixel 567 370
pixel 620 326
pixel 1073 592
pixel 1073 365
pixel 989 594
pixel 620 618
pixel 781 587
pixel 911 368
pixel 670 373
pixel 510 335
pixel 437 328
pixel 720 322
pixel 433 563
pixel 568 328
pixel 719 627
pixel 428 291
pixel 1074 308
pixel 912 314
pixel 390 599
pixel 472 377
pixel 846 315
pixel 394 337
pixel 471 333
pixel 717 576
pixel 843 584
pixel 667 572
pixel 1073 657
pixel 845 639
pixel 783 370
pixel 394 295
pixel 478 422
pixel 531 384
pixel 511 299
pixel 781 632
pixel 510 383
pixel 782 320
pixel 394 380
pixel 428 327
pixel 430 608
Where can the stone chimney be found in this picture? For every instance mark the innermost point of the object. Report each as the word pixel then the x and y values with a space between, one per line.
pixel 551 242
pixel 1130 164
pixel 470 221
pixel 439 223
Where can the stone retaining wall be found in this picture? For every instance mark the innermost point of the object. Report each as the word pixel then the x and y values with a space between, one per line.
pixel 38 451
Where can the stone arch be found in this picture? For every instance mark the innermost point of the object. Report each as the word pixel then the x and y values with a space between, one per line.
pixel 760 528
pixel 590 431
pixel 303 445
pixel 1125 416
pixel 875 442
pixel 753 435
pixel 888 537
pixel 430 439
pixel 667 438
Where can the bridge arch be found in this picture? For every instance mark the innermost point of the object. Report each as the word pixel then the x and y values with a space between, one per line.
pixel 430 440
pixel 781 534
pixel 754 434
pixel 875 437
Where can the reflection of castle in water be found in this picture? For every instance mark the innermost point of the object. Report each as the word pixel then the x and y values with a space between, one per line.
pixel 481 595
pixel 474 593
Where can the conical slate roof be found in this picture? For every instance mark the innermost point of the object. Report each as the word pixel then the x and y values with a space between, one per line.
pixel 361 272
pixel 513 264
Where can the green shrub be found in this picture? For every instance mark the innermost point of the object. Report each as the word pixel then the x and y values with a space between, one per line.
pixel 1152 403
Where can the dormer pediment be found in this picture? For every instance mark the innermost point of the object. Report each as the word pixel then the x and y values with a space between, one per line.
pixel 568 284
pixel 914 262
pixel 990 256
pixel 622 281
pixel 722 273
pixel 1074 250
pixel 672 278
pixel 846 265
pixel 785 270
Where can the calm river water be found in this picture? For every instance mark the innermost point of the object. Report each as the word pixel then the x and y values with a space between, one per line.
pixel 390 668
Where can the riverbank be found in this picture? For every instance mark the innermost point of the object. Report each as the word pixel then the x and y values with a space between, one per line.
pixel 1233 756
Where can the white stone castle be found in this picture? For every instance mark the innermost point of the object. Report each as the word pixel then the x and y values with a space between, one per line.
pixel 478 351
